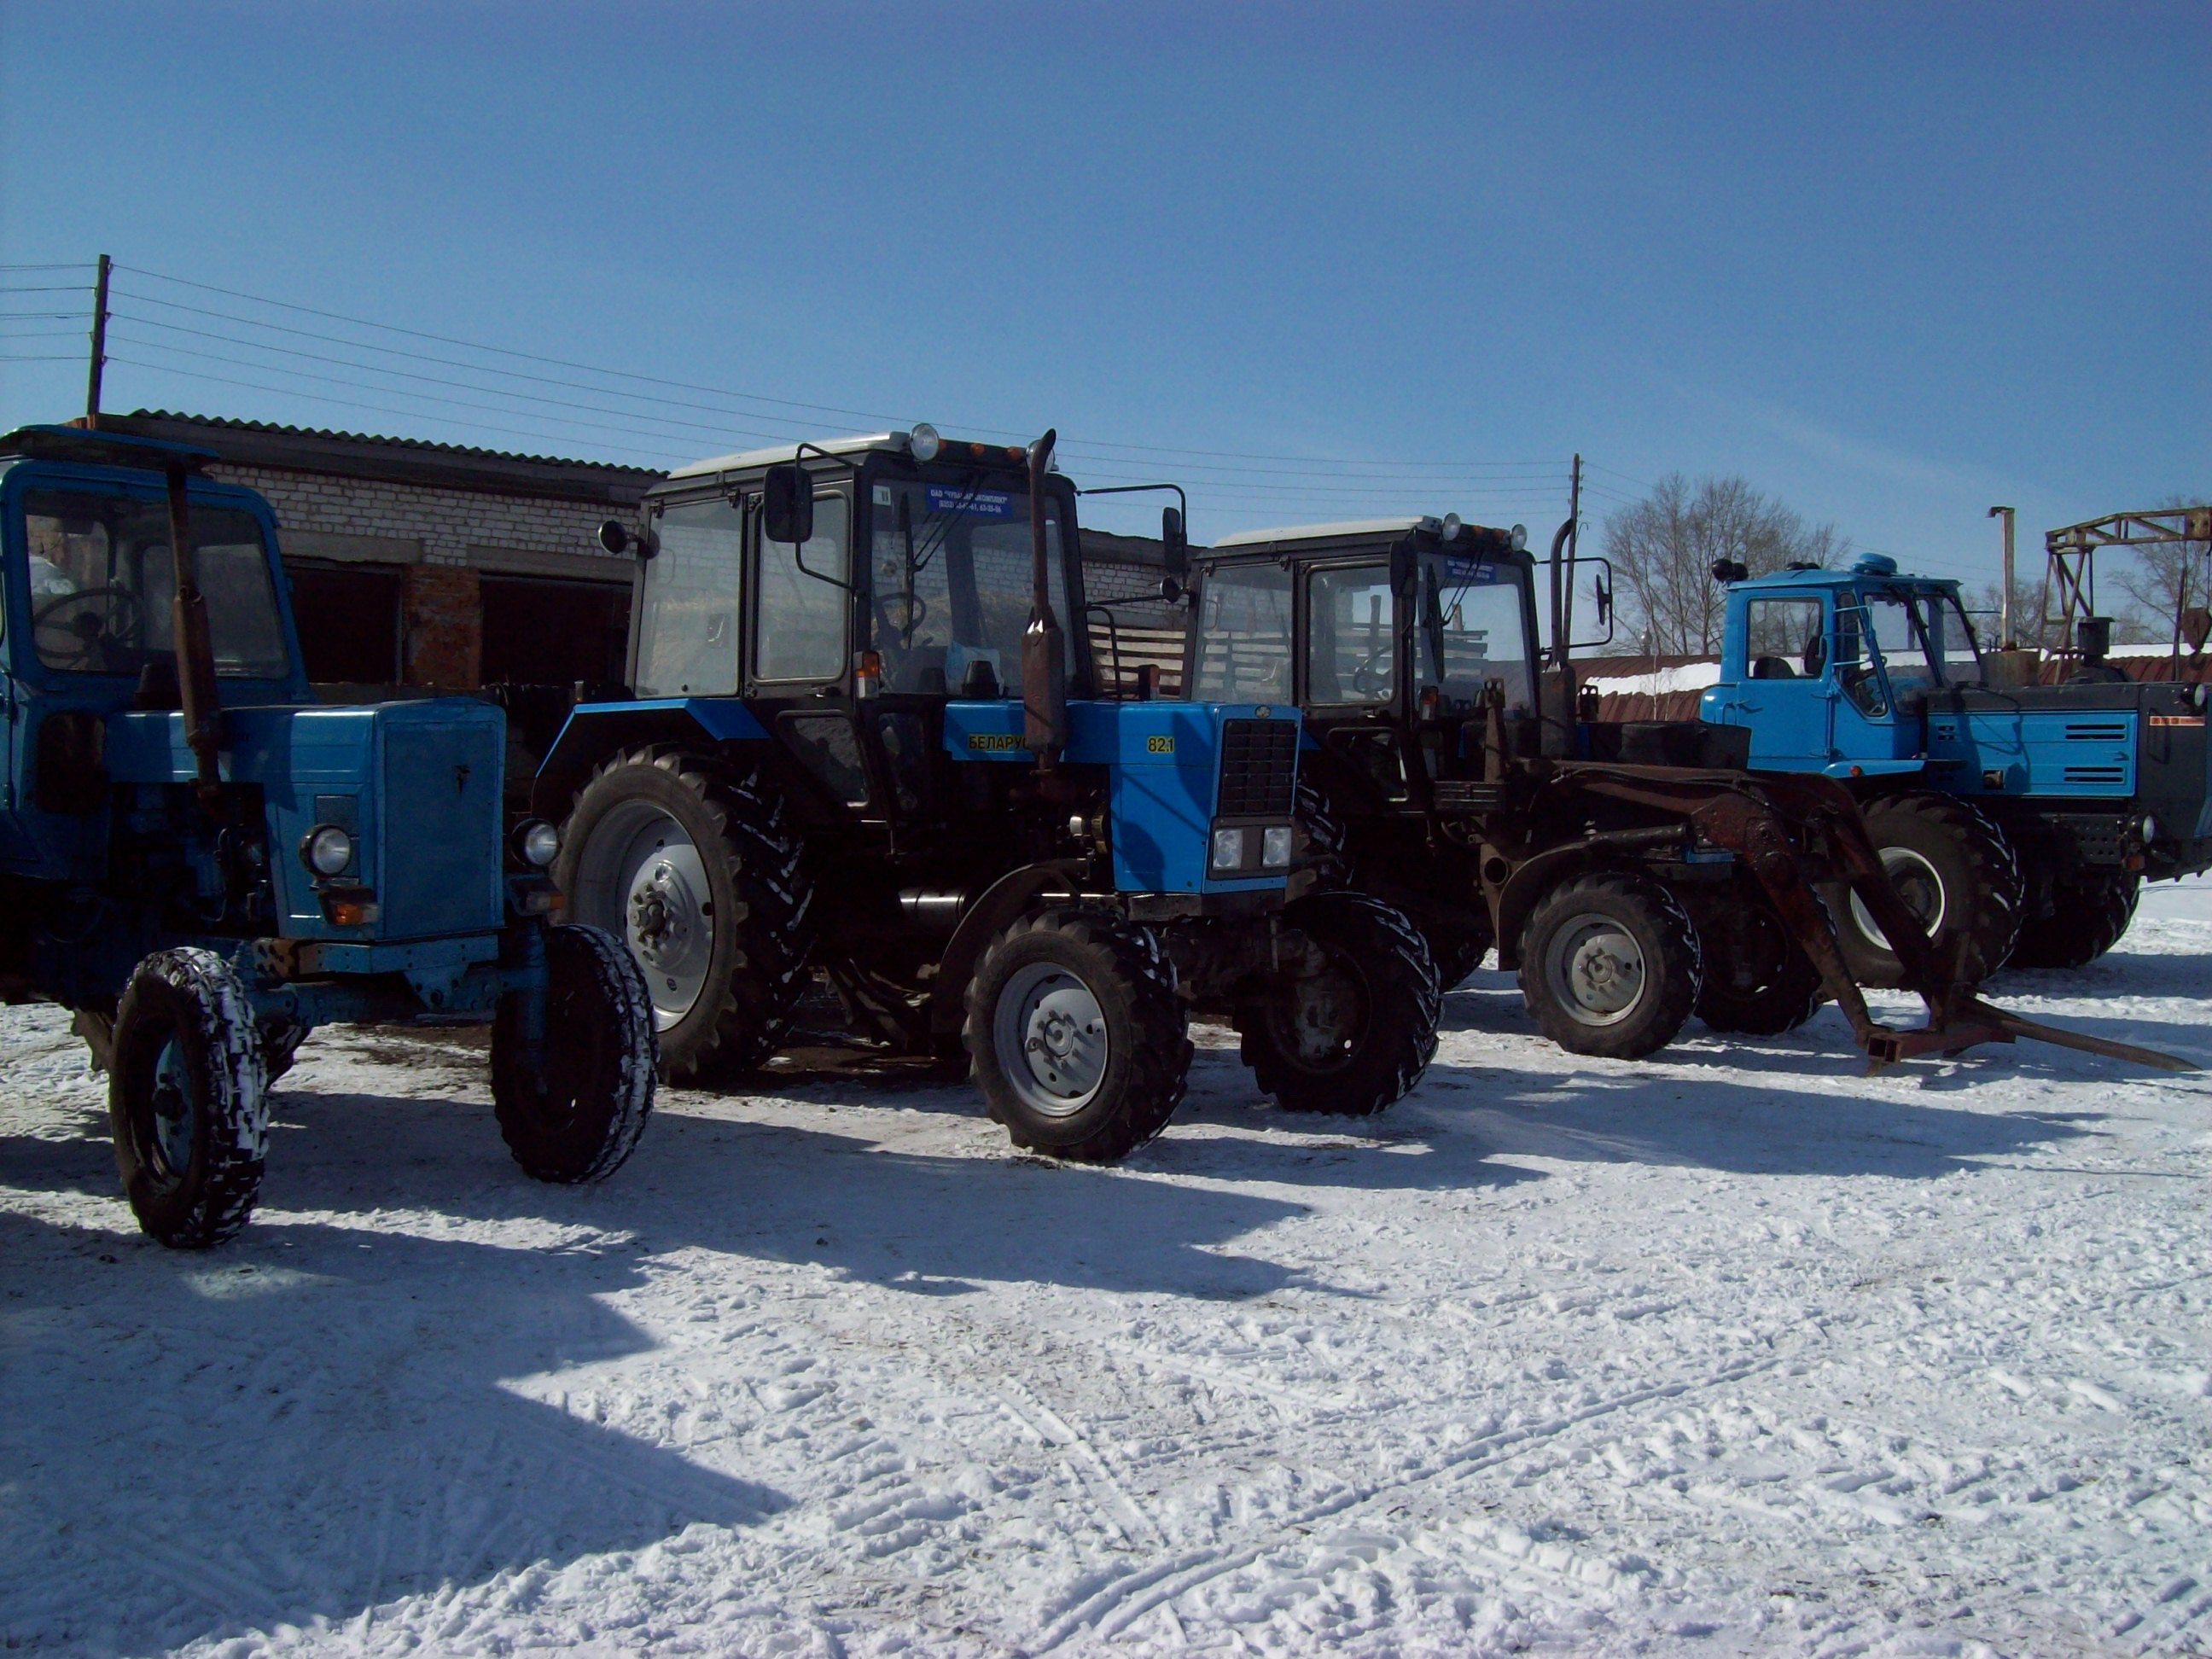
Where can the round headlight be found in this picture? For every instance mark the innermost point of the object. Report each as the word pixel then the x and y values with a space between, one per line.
pixel 540 843
pixel 327 850
pixel 923 443
pixel 2149 827
pixel 1451 531
pixel 1519 537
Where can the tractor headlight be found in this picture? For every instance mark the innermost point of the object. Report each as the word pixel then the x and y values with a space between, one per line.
pixel 538 842
pixel 1448 531
pixel 2149 827
pixel 327 850
pixel 1517 537
pixel 923 443
pixel 1228 848
pixel 1275 847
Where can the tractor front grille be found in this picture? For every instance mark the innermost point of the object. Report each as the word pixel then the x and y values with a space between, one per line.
pixel 1259 768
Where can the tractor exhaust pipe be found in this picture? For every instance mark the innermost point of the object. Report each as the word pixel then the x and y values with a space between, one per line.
pixel 194 646
pixel 1045 647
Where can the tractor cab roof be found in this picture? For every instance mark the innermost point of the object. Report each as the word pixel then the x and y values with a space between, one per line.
pixel 1868 566
pixel 86 446
pixel 1447 535
pixel 934 448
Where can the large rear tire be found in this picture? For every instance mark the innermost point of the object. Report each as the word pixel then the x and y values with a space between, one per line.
pixel 1610 966
pixel 2086 921
pixel 187 1100
pixel 1079 1043
pixel 576 1113
pixel 1956 870
pixel 1356 1037
pixel 693 867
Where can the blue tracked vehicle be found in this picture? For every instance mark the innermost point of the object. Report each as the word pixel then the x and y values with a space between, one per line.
pixel 205 862
pixel 2019 823
pixel 861 744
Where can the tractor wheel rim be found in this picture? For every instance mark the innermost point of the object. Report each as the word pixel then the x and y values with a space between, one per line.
pixel 1596 969
pixel 1050 1035
pixel 1918 883
pixel 643 880
pixel 173 1110
pixel 1322 1019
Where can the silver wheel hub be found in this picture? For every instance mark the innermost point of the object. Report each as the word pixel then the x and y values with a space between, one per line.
pixel 1596 969
pixel 1917 883
pixel 1050 1035
pixel 641 877
pixel 173 1108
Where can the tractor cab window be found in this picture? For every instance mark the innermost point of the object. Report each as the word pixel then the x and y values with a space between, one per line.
pixel 102 580
pixel 1856 670
pixel 800 624
pixel 1244 635
pixel 1785 639
pixel 1951 639
pixel 1911 663
pixel 948 578
pixel 1351 649
pixel 687 623
pixel 1472 631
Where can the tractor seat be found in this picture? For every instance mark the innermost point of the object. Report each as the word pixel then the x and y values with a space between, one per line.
pixel 1772 668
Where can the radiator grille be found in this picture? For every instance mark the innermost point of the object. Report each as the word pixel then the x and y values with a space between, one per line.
pixel 2100 732
pixel 1259 768
pixel 2096 774
pixel 442 803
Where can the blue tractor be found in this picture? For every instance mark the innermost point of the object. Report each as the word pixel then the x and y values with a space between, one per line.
pixel 2018 822
pixel 861 745
pixel 205 862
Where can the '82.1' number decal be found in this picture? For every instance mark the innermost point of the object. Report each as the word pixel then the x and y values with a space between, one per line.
pixel 1159 745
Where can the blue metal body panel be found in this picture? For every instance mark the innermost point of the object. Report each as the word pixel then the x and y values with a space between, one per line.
pixel 1164 761
pixel 2085 754
pixel 595 730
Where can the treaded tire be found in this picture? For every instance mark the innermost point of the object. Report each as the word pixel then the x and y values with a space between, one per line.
pixel 1456 952
pixel 1948 856
pixel 578 1114
pixel 1139 1023
pixel 2096 911
pixel 723 1020
pixel 1380 957
pixel 280 1045
pixel 1604 939
pixel 187 1099
pixel 1756 982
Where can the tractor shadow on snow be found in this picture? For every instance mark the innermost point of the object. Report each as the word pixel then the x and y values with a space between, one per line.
pixel 306 1422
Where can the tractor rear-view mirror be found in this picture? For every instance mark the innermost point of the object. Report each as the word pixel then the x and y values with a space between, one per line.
pixel 1175 543
pixel 787 505
pixel 1590 588
pixel 2196 626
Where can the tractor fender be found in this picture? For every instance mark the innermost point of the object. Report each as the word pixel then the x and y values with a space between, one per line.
pixel 1525 888
pixel 1002 902
pixel 595 730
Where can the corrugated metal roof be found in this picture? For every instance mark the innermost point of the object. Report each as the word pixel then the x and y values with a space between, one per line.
pixel 465 452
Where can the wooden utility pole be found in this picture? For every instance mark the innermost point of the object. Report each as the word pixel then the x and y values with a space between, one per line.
pixel 98 344
pixel 1574 541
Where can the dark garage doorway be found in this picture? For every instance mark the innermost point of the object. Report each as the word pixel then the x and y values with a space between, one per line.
pixel 349 620
pixel 541 631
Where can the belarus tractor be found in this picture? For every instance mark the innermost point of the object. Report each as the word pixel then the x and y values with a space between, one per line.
pixel 862 743
pixel 1630 875
pixel 205 863
pixel 2019 821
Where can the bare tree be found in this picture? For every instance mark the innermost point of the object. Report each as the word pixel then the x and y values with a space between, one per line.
pixel 2164 579
pixel 1664 547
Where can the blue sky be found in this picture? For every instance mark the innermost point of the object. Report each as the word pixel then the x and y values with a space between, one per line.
pixel 1891 263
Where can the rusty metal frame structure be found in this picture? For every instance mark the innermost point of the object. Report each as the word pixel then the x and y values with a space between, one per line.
pixel 2070 558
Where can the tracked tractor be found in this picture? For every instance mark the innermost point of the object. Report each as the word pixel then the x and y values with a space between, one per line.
pixel 205 862
pixel 864 744
pixel 1630 875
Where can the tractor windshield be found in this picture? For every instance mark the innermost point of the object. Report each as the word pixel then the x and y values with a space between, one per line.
pixel 1473 628
pixel 1244 635
pixel 101 579
pixel 949 581
pixel 1923 640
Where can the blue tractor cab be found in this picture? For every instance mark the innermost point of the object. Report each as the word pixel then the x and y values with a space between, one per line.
pixel 205 862
pixel 862 746
pixel 2019 822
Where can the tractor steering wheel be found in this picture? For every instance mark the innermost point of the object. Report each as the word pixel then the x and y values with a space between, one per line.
pixel 1372 678
pixel 73 642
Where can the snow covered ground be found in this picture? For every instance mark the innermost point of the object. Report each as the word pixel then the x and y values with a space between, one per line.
pixel 1736 1351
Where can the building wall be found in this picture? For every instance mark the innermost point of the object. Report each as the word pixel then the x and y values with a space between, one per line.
pixel 442 539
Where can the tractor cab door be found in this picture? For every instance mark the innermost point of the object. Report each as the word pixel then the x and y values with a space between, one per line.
pixel 799 663
pixel 1354 668
pixel 1788 689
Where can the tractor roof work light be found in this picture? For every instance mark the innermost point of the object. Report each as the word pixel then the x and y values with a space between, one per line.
pixel 923 443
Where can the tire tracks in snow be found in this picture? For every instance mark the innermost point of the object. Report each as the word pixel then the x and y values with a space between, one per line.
pixel 1123 1601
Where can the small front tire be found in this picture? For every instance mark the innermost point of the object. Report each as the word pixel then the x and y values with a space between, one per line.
pixel 1611 966
pixel 1079 1043
pixel 1357 1037
pixel 576 1113
pixel 187 1099
pixel 1756 980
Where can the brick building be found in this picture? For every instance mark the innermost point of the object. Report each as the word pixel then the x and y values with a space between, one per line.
pixel 432 565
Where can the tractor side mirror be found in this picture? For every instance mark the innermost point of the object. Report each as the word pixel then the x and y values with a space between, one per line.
pixel 1175 543
pixel 2197 626
pixel 787 505
pixel 1597 594
pixel 614 536
pixel 1405 571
